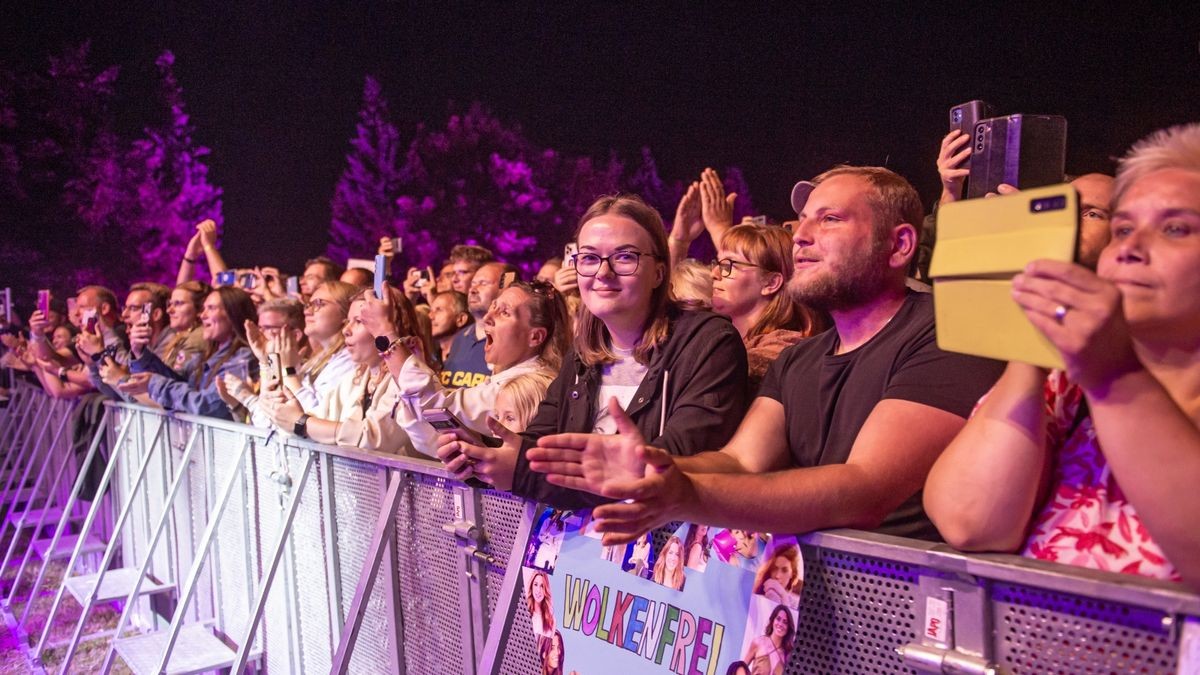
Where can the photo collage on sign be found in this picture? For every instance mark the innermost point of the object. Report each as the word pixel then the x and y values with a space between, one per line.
pixel 685 556
pixel 540 558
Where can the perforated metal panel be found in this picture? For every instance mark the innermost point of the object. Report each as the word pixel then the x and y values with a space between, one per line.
pixel 854 612
pixel 310 541
pixel 358 489
pixel 1039 631
pixel 502 515
pixel 431 581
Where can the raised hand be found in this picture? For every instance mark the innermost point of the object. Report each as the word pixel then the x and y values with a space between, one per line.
pixel 595 463
pixel 377 313
pixel 566 280
pixel 716 207
pixel 139 338
pixel 206 230
pixel 1082 315
pixel 256 340
pixel 465 458
pixel 688 221
pixel 954 151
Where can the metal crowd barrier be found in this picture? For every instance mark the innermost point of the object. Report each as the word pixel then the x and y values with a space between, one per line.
pixel 230 547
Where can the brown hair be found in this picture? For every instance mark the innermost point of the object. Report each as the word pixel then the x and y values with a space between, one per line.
pixel 593 344
pixel 332 270
pixel 547 310
pixel 770 248
pixel 198 290
pixel 238 308
pixel 475 254
pixel 893 201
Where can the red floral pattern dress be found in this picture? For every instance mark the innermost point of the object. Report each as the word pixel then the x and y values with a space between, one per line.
pixel 1087 520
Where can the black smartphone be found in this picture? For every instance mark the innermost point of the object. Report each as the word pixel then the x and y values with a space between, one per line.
pixel 444 420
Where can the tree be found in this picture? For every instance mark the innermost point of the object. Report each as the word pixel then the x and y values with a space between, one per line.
pixel 83 204
pixel 364 201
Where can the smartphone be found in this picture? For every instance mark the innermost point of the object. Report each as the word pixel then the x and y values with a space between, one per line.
pixel 89 319
pixel 381 262
pixel 423 279
pixel 43 302
pixel 147 309
pixel 964 117
pixel 271 371
pixel 293 287
pixel 7 295
pixel 444 420
pixel 248 281
pixel 397 246
pixel 226 278
pixel 757 220
pixel 569 252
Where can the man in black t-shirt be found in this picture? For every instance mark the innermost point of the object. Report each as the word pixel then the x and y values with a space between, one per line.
pixel 846 424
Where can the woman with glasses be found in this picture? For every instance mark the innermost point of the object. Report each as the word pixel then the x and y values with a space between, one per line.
pixel 525 333
pixel 750 278
pixel 223 320
pixel 638 361
pixel 312 352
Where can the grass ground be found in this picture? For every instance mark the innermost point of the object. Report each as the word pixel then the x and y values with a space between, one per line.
pixel 89 656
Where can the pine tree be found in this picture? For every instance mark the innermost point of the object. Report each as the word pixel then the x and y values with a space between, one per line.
pixel 364 205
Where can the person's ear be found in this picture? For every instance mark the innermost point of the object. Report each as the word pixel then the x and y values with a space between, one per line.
pixel 537 336
pixel 461 319
pixel 774 282
pixel 904 245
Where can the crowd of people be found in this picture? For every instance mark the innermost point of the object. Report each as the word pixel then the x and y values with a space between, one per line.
pixel 794 383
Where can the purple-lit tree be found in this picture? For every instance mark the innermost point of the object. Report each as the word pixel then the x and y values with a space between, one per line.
pixel 142 201
pixel 82 203
pixel 477 180
pixel 364 201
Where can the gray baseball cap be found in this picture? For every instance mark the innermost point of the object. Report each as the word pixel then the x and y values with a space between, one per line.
pixel 800 193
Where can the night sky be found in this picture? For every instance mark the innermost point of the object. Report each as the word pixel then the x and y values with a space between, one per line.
pixel 782 90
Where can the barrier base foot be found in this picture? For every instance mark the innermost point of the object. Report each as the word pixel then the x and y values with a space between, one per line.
pixel 197 650
pixel 116 585
pixel 66 545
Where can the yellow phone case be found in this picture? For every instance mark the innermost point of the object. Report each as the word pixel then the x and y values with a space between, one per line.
pixel 981 245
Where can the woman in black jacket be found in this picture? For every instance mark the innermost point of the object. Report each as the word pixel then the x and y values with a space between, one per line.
pixel 679 376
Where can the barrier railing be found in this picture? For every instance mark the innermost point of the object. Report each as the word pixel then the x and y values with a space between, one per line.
pixel 231 546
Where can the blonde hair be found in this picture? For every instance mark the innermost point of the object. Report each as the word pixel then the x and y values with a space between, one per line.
pixel 593 344
pixel 1176 147
pixel 692 284
pixel 340 294
pixel 526 393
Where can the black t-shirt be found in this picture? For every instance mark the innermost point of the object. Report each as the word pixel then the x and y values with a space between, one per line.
pixel 827 397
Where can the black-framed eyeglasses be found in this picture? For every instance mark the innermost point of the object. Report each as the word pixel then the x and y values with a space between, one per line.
pixel 726 265
pixel 622 263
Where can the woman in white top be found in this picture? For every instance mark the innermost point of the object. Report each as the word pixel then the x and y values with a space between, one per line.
pixel 359 411
pixel 526 332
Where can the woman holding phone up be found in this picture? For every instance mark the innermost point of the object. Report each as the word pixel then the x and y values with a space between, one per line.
pixel 639 361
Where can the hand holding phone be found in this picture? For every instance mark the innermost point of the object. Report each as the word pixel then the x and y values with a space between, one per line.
pixel 446 422
pixel 381 263
pixel 569 252
pixel 43 302
pixel 271 371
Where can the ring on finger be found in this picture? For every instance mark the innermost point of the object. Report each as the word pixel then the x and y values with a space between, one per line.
pixel 1060 313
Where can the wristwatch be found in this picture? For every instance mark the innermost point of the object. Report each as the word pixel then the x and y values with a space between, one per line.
pixel 300 429
pixel 384 344
pixel 290 370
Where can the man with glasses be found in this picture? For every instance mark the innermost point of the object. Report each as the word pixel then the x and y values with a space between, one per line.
pixel 466 365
